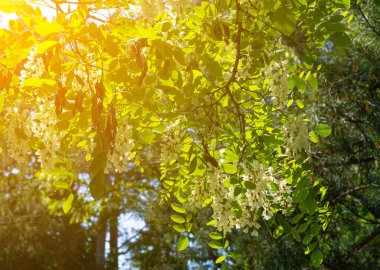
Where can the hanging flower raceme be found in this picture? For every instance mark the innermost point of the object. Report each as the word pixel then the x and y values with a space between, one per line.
pixel 44 128
pixel 278 75
pixel 295 135
pixel 33 68
pixel 18 133
pixel 119 156
pixel 171 141
pixel 261 193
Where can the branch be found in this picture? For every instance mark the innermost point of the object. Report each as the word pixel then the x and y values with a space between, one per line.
pixel 235 70
pixel 358 247
pixel 358 7
pixel 370 221
pixel 353 190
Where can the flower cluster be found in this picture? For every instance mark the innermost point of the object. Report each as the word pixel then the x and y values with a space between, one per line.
pixel 33 68
pixel 295 135
pixel 278 75
pixel 17 134
pixel 119 156
pixel 44 128
pixel 171 141
pixel 243 210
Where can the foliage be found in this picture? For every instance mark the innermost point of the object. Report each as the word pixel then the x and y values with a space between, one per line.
pixel 349 100
pixel 212 91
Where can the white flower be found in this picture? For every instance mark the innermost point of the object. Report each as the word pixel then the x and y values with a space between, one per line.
pixel 17 135
pixel 33 68
pixel 43 126
pixel 278 75
pixel 295 135
pixel 118 158
pixel 171 141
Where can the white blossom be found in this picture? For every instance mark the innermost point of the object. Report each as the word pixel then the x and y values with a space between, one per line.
pixel 17 133
pixel 278 75
pixel 295 135
pixel 119 156
pixel 252 203
pixel 171 141
pixel 43 126
pixel 33 68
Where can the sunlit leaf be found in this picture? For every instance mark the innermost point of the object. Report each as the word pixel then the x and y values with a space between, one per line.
pixel 178 219
pixel 183 243
pixel 67 204
pixel 220 259
pixel 178 208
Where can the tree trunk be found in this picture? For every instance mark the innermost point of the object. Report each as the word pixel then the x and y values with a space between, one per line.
pixel 101 242
pixel 113 240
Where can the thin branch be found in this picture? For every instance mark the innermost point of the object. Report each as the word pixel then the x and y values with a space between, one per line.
pixel 358 247
pixel 358 7
pixel 353 190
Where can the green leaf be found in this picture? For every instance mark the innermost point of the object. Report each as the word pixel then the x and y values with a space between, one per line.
pixel 177 219
pixel 317 257
pixel 299 104
pixel 60 184
pixel 341 39
pixel 183 243
pixel 164 48
pixel 312 82
pixel 315 228
pixel 9 6
pixel 313 137
pixel 307 239
pixel 188 217
pixel 215 235
pixel 296 235
pixel 296 81
pixel 323 130
pixel 211 223
pixel 226 244
pixel 98 163
pixel 215 244
pixel 310 248
pixel 303 227
pixel 147 136
pixel 297 218
pixel 344 3
pixel 309 205
pixel 97 185
pixel 179 228
pixel 249 185
pixel 178 208
pixel 220 259
pixel 284 20
pixel 67 204
pixel 47 28
pixel 46 46
pixel 229 168
pixel 193 164
pixel 278 232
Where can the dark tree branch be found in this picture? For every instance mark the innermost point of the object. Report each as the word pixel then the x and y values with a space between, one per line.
pixel 353 190
pixel 358 247
pixel 358 7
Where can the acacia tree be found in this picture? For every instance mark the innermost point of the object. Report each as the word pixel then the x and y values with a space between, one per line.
pixel 211 91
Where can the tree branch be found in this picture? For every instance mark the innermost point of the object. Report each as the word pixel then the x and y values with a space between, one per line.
pixel 353 190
